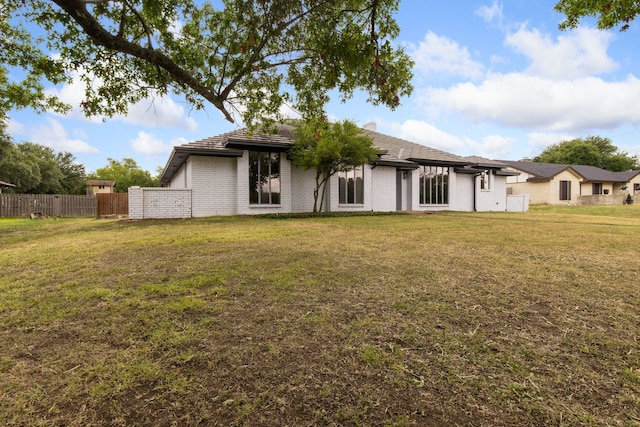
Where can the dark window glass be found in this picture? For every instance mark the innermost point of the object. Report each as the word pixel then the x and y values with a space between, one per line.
pixel 434 185
pixel 264 178
pixel 565 190
pixel 597 188
pixel 351 186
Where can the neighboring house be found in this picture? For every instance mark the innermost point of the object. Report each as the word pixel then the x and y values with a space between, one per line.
pixel 5 185
pixel 554 184
pixel 95 186
pixel 237 174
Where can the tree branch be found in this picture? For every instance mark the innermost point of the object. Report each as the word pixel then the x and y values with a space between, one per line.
pixel 78 12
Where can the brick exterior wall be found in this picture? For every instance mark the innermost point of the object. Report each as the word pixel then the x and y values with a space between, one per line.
pixel 159 203
pixel 303 184
pixel 383 189
pixel 214 184
pixel 220 186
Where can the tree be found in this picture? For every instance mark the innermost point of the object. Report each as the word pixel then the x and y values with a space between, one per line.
pixel 591 151
pixel 244 57
pixel 330 148
pixel 34 168
pixel 608 13
pixel 74 174
pixel 125 173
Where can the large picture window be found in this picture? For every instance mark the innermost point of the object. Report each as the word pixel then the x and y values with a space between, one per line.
pixel 264 178
pixel 565 190
pixel 434 185
pixel 351 186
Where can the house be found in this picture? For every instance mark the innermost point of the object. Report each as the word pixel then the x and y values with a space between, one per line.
pixel 553 184
pixel 5 185
pixel 237 173
pixel 95 186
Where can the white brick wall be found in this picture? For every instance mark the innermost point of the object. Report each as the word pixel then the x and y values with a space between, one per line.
pixel 159 203
pixel 383 189
pixel 302 185
pixel 214 185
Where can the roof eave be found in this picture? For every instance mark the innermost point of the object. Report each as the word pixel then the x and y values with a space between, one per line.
pixel 439 162
pixel 179 156
pixel 249 145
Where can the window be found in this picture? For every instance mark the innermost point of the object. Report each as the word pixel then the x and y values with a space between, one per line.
pixel 264 178
pixel 351 186
pixel 636 187
pixel 597 188
pixel 434 185
pixel 485 183
pixel 565 190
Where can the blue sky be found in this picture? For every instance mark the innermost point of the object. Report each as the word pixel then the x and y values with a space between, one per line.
pixel 494 79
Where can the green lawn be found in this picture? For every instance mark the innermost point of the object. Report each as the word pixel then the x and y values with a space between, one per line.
pixel 451 318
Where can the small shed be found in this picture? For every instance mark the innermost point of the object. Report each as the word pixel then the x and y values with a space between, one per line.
pixel 97 186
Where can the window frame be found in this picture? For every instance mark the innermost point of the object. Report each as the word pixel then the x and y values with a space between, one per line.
pixel 256 173
pixel 351 193
pixel 596 188
pixel 434 179
pixel 565 193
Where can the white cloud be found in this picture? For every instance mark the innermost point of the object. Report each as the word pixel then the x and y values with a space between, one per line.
pixel 153 111
pixel 493 146
pixel 14 127
pixel 159 111
pixel 539 141
pixel 580 53
pixel 520 100
pixel 491 13
pixel 54 135
pixel 424 133
pixel 148 144
pixel 440 55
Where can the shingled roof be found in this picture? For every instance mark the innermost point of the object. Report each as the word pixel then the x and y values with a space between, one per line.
pixel 546 171
pixel 393 151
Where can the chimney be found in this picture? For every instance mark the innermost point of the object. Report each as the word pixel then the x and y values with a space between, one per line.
pixel 370 126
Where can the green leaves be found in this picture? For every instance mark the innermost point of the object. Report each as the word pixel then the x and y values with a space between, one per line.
pixel 34 168
pixel 125 173
pixel 245 57
pixel 329 148
pixel 609 13
pixel 591 151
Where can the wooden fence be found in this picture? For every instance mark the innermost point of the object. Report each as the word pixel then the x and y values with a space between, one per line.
pixel 64 205
pixel 113 204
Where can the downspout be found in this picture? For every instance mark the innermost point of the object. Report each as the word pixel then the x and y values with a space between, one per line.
pixel 475 191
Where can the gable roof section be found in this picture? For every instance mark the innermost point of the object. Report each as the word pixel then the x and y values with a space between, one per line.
pixel 6 184
pixel 394 152
pixel 541 171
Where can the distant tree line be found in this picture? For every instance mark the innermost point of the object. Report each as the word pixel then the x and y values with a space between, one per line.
pixel 591 151
pixel 36 169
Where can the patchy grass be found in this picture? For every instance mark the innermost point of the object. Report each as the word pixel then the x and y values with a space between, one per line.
pixel 400 320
